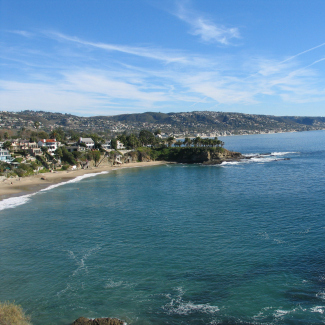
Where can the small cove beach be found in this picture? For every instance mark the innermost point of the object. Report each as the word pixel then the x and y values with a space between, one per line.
pixel 25 185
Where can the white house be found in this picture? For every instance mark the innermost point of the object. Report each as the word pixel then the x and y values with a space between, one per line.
pixel 51 144
pixel 5 156
pixel 89 142
pixel 108 145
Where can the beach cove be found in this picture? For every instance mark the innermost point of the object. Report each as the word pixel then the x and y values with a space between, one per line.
pixel 26 185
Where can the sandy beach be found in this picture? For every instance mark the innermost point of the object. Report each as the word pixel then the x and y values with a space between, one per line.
pixel 24 185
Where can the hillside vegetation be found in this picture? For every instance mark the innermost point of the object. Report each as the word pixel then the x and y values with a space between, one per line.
pixel 11 314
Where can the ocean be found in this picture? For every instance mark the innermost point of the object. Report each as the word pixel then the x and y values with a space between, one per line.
pixel 237 243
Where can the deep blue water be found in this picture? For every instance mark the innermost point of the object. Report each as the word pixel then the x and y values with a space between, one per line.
pixel 177 244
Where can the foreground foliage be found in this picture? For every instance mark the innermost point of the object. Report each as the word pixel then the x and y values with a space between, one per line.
pixel 11 314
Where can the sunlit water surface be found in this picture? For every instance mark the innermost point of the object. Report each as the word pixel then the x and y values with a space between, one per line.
pixel 238 243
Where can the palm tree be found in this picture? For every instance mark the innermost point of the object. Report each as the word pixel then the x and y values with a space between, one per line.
pixel 178 143
pixel 187 142
pixel 197 141
pixel 170 141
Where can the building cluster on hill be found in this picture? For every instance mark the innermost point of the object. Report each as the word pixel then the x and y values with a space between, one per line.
pixel 205 123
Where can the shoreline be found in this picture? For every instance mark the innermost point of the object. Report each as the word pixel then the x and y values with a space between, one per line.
pixel 15 187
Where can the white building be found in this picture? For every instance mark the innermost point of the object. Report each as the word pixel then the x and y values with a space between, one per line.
pixel 108 145
pixel 51 144
pixel 89 142
pixel 5 156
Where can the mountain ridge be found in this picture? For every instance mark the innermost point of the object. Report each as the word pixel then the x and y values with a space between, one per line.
pixel 186 123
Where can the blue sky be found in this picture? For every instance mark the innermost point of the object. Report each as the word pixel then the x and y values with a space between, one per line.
pixel 107 57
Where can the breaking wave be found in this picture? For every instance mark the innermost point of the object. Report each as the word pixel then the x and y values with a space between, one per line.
pixel 260 158
pixel 180 307
pixel 14 202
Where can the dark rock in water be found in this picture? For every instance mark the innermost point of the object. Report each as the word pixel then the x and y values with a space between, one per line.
pixel 97 321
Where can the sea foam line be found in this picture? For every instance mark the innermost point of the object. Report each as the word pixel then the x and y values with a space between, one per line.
pixel 180 307
pixel 14 202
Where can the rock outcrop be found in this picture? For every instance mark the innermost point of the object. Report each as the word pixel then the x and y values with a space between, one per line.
pixel 206 156
pixel 97 321
pixel 216 157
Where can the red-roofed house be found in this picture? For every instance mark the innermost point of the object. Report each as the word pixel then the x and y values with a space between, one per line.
pixel 51 144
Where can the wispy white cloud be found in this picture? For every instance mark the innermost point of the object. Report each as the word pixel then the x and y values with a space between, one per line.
pixel 21 33
pixel 104 83
pixel 207 30
pixel 147 52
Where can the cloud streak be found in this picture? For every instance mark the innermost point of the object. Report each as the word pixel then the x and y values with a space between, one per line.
pixel 207 30
pixel 146 52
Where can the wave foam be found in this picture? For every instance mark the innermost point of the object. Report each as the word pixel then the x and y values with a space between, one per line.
pixel 318 309
pixel 180 307
pixel 321 295
pixel 14 202
pixel 81 261
pixel 282 153
pixel 230 163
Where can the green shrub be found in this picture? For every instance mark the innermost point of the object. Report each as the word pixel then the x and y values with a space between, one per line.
pixel 11 314
pixel 20 172
pixel 44 170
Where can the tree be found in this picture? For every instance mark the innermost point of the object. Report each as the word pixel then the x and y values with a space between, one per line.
pixel 6 135
pixel 146 138
pixel 170 141
pixel 58 153
pixel 158 131
pixel 197 141
pixel 96 156
pixel 122 138
pixel 187 142
pixel 114 144
pixel 36 124
pixel 67 156
pixel 42 135
pixel 132 141
pixel 178 143
pixel 6 145
pixel 58 134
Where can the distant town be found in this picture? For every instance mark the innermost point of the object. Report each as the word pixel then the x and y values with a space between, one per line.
pixel 204 124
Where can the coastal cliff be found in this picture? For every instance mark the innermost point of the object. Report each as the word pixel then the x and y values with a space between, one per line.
pixel 206 156
pixel 189 155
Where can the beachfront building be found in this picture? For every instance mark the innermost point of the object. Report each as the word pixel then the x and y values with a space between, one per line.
pixel 51 144
pixel 108 145
pixel 5 156
pixel 89 142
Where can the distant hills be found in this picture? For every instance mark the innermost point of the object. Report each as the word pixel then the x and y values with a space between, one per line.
pixel 189 123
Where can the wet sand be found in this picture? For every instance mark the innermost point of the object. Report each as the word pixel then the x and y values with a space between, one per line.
pixel 24 185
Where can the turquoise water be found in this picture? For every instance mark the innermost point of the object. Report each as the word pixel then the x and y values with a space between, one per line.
pixel 240 243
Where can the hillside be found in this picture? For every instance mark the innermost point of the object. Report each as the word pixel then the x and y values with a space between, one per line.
pixel 189 123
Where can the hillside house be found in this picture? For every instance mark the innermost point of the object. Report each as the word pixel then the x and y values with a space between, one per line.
pixel 5 156
pixel 89 142
pixel 51 144
pixel 108 145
